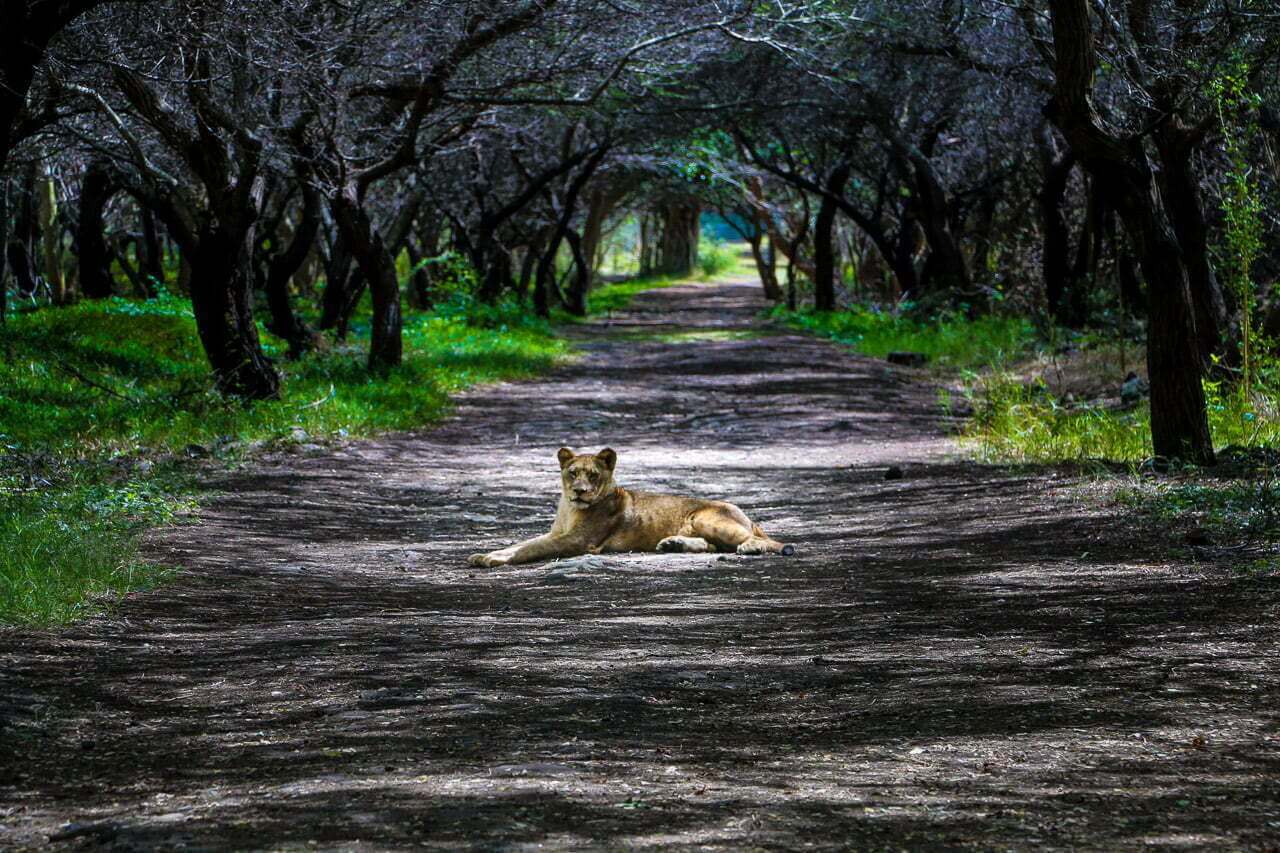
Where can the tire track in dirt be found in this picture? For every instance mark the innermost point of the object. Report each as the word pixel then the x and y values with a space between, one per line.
pixel 967 657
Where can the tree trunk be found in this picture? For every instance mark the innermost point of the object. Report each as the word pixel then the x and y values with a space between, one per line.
pixel 681 229
pixel 766 266
pixel 493 263
pixel 284 323
pixel 1186 211
pixel 544 278
pixel 528 263
pixel 4 242
pixel 51 241
pixel 947 273
pixel 600 203
pixel 576 298
pixel 644 250
pixel 94 257
pixel 338 284
pixel 222 302
pixel 151 254
pixel 1179 422
pixel 386 347
pixel 824 263
pixel 24 236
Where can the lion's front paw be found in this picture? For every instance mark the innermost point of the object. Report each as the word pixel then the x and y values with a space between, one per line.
pixel 488 561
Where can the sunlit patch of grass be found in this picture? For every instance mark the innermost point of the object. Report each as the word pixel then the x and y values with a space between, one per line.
pixel 1017 421
pixel 1012 421
pixel 615 296
pixel 90 388
pixel 717 258
pixel 950 341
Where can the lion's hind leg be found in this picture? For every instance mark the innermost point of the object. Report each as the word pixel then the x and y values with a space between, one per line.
pixel 685 545
pixel 728 529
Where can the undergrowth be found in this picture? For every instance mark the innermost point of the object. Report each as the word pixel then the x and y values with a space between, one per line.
pixel 947 341
pixel 104 400
pixel 1017 421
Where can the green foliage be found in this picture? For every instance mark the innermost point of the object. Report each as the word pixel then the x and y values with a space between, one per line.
pixel 607 298
pixel 126 377
pixel 1247 508
pixel 715 258
pixel 1015 421
pixel 98 384
pixel 1242 231
pixel 1242 512
pixel 67 550
pixel 451 274
pixel 949 340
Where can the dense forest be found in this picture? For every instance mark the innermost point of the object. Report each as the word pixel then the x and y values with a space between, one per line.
pixel 1080 165
pixel 973 301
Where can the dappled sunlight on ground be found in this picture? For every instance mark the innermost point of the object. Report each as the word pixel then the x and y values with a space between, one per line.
pixel 963 657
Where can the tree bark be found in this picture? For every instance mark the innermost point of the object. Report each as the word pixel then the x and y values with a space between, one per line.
pixel 386 347
pixel 824 271
pixel 28 28
pixel 681 230
pixel 284 322
pixel 4 242
pixel 222 302
pixel 94 257
pixel 51 241
pixel 337 273
pixel 151 254
pixel 1179 422
pixel 1181 192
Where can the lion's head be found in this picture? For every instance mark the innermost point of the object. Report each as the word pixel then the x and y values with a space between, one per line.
pixel 588 477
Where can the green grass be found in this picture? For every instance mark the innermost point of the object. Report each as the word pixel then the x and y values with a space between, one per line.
pixel 1015 421
pixel 718 258
pixel 1240 508
pixel 70 550
pixel 1242 513
pixel 88 391
pixel 948 341
pixel 608 298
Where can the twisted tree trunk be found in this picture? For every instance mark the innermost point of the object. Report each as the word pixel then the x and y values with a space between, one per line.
pixel 1179 422
pixel 94 256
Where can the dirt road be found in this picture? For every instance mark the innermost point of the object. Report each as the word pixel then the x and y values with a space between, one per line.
pixel 963 658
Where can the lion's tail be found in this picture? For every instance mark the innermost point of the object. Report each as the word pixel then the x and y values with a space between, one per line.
pixel 775 547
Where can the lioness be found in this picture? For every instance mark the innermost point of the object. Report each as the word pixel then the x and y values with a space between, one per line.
pixel 595 514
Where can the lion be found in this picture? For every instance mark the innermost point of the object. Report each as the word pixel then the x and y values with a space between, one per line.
pixel 596 515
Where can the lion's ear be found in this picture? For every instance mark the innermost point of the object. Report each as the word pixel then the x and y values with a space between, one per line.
pixel 565 455
pixel 608 457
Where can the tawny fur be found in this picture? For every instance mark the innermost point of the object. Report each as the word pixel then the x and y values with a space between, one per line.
pixel 595 515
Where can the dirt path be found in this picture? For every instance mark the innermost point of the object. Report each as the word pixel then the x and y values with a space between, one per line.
pixel 961 658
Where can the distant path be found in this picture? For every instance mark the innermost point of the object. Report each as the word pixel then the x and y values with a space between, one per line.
pixel 961 658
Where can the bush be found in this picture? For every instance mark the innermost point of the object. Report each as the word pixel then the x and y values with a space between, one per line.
pixel 715 258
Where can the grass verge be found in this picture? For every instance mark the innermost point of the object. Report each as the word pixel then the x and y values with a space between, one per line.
pixel 104 404
pixel 1018 421
pixel 950 341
